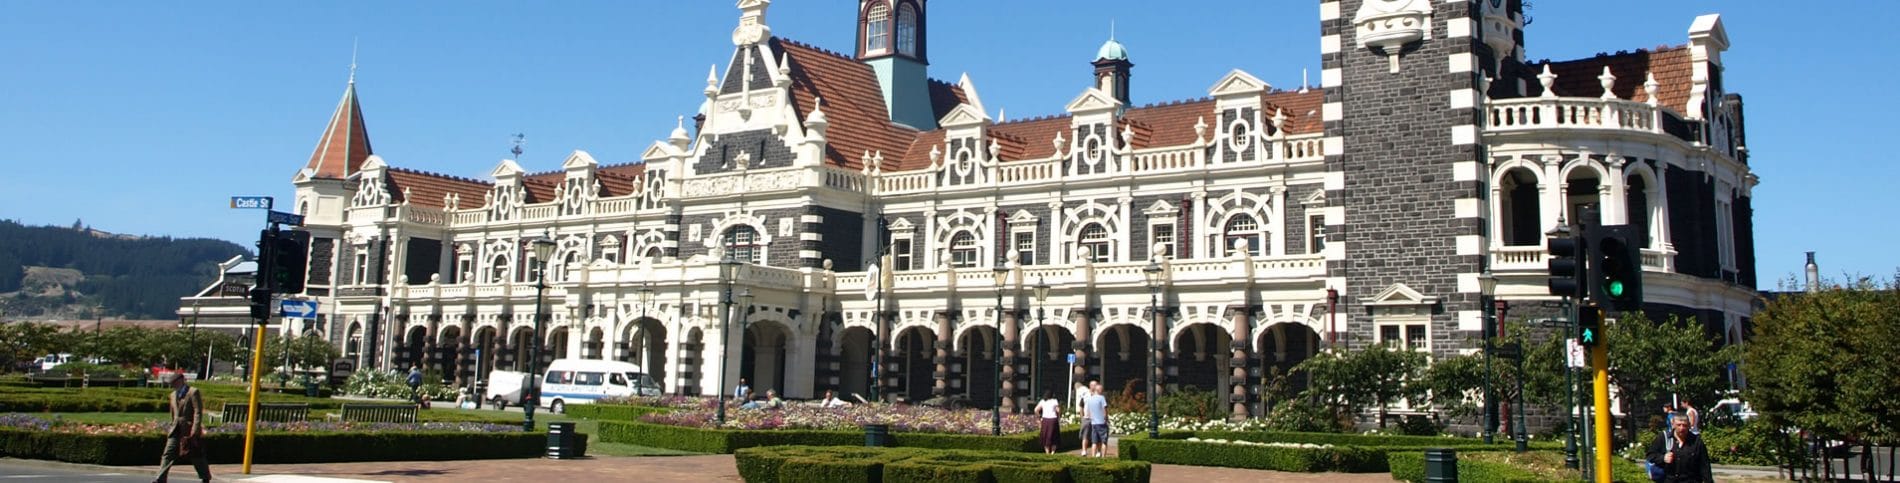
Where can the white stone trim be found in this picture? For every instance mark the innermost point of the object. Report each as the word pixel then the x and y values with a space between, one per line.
pixel 1461 63
pixel 809 236
pixel 1466 171
pixel 1332 111
pixel 1331 77
pixel 1459 28
pixel 1329 10
pixel 1462 135
pixel 1329 44
pixel 1465 208
pixel 811 219
pixel 1470 244
pixel 1464 98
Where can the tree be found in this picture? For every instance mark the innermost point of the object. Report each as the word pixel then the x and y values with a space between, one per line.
pixel 1377 376
pixel 309 351
pixel 1824 362
pixel 23 342
pixel 1652 361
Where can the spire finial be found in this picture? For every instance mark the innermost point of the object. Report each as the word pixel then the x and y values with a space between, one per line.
pixel 1111 28
pixel 519 139
pixel 353 44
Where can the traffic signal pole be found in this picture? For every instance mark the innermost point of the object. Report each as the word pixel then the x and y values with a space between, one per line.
pixel 1600 367
pixel 265 247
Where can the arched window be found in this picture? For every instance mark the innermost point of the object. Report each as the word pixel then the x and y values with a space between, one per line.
pixel 568 264
pixel 1636 202
pixel 1240 139
pixel 354 344
pixel 1094 237
pixel 906 30
pixel 963 250
pixel 877 34
pixel 743 241
pixel 652 254
pixel 1244 229
pixel 498 269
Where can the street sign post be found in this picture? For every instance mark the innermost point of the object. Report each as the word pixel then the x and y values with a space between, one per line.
pixel 302 309
pixel 1575 352
pixel 251 202
pixel 283 218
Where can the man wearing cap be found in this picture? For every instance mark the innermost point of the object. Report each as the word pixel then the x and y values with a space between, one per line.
pixel 187 429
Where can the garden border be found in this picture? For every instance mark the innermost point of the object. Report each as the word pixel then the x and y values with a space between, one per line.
pixel 277 447
pixel 723 441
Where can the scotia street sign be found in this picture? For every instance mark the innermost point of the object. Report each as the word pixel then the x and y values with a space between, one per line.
pixel 299 309
pixel 251 202
pixel 283 218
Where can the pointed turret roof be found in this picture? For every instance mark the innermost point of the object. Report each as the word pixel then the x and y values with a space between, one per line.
pixel 345 142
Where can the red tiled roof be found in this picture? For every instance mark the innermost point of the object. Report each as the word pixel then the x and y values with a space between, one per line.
pixel 1672 66
pixel 1032 138
pixel 854 105
pixel 1302 110
pixel 542 187
pixel 427 189
pixel 619 180
pixel 344 145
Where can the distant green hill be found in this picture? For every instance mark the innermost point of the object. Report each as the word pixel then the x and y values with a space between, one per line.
pixel 77 272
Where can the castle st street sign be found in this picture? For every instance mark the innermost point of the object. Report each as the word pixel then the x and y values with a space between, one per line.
pixel 251 202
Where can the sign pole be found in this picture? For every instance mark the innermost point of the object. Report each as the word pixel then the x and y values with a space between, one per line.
pixel 1600 367
pixel 250 423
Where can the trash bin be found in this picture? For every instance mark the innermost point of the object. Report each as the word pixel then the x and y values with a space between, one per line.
pixel 564 442
pixel 1441 465
pixel 877 435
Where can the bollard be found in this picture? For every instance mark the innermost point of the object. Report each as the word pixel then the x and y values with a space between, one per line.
pixel 1441 465
pixel 564 442
pixel 877 435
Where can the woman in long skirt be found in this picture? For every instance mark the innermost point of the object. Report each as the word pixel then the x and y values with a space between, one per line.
pixel 1051 411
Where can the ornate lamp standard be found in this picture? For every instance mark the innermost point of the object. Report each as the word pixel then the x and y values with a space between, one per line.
pixel 1035 361
pixel 1001 273
pixel 728 275
pixel 543 248
pixel 1154 278
pixel 646 297
pixel 1487 288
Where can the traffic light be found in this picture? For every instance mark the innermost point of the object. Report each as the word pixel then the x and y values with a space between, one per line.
pixel 1589 326
pixel 289 253
pixel 260 304
pixel 1616 268
pixel 1565 269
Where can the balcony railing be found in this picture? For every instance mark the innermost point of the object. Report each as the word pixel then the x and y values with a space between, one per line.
pixel 1518 258
pixel 1532 113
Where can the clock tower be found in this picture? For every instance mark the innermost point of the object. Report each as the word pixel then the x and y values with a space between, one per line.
pixel 892 40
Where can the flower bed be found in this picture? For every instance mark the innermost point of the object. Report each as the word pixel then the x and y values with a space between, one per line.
pixel 714 440
pixel 26 436
pixel 789 464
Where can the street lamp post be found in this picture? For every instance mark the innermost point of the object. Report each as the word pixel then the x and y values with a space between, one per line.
pixel 543 248
pixel 1001 273
pixel 1487 287
pixel 1153 275
pixel 728 275
pixel 194 338
pixel 1035 360
pixel 646 297
pixel 1523 439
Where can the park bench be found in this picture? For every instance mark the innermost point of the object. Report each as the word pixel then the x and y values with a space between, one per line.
pixel 269 412
pixel 379 413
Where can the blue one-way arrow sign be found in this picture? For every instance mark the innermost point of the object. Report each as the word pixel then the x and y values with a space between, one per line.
pixel 300 309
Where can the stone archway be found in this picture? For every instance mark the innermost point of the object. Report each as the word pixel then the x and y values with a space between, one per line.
pixel 411 353
pixel 1200 353
pixel 644 344
pixel 912 352
pixel 692 363
pixel 1280 348
pixel 854 375
pixel 973 371
pixel 448 357
pixel 487 346
pixel 1124 357
pixel 1048 351
pixel 595 345
pixel 762 358
pixel 522 341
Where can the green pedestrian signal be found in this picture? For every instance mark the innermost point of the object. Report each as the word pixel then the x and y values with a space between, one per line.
pixel 1589 326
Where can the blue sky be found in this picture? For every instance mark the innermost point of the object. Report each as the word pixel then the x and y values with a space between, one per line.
pixel 143 117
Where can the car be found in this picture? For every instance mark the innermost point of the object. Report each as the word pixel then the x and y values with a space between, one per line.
pixel 1733 407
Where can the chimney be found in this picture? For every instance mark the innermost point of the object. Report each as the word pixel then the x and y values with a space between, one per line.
pixel 1814 274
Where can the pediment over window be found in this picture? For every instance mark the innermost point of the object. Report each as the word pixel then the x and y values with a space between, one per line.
pixel 902 224
pixel 1162 208
pixel 1317 198
pixel 1022 217
pixel 1400 295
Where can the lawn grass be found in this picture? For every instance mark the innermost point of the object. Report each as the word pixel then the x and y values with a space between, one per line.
pixel 588 427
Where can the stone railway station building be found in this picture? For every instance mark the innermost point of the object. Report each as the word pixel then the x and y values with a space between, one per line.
pixel 1433 156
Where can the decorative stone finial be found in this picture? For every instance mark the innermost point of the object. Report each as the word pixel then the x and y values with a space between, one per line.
pixel 1547 80
pixel 712 81
pixel 1200 129
pixel 1653 89
pixel 752 28
pixel 679 137
pixel 1609 81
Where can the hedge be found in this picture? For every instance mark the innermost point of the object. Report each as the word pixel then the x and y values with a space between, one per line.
pixel 723 441
pixel 1410 466
pixel 612 412
pixel 1371 440
pixel 1348 453
pixel 226 448
pixel 108 399
pixel 798 464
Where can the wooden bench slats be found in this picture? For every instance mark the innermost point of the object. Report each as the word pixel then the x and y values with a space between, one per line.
pixel 269 412
pixel 379 413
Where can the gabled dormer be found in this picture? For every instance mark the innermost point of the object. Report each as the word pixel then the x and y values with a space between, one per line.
pixel 892 40
pixel 1239 128
pixel 504 201
pixel 1095 137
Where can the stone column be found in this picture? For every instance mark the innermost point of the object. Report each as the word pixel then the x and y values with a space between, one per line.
pixel 1011 334
pixel 881 352
pixel 1158 330
pixel 1084 339
pixel 942 357
pixel 1243 339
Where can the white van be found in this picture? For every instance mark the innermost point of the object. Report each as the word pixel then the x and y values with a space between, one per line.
pixel 583 381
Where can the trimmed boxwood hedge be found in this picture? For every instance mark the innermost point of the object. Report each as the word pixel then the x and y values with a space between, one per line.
pixel 1410 466
pixel 152 399
pixel 728 440
pixel 789 464
pixel 225 448
pixel 612 412
pixel 1349 453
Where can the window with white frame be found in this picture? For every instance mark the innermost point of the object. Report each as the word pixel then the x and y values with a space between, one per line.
pixel 361 275
pixel 1024 242
pixel 1162 235
pixel 1239 139
pixel 1315 233
pixel 964 250
pixel 743 241
pixel 1094 237
pixel 1242 228
pixel 498 269
pixel 901 255
pixel 1725 233
pixel 610 249
pixel 1412 335
pixel 877 34
pixel 464 270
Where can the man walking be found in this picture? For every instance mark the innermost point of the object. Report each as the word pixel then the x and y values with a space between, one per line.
pixel 1687 461
pixel 186 437
pixel 1095 414
pixel 415 384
